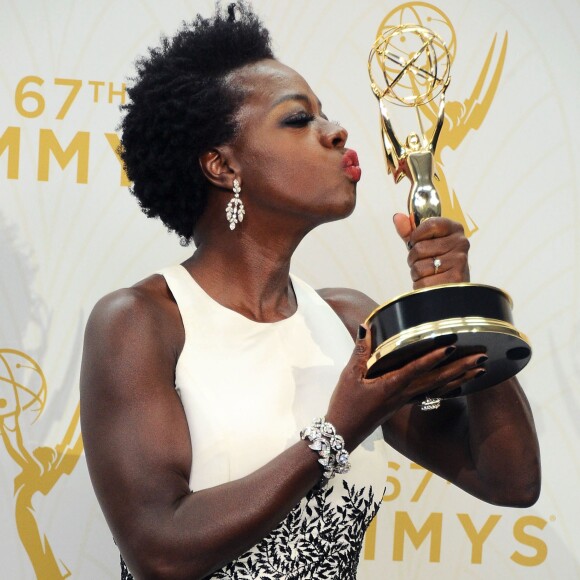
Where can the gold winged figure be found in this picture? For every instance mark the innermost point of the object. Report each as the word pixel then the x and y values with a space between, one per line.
pixel 23 394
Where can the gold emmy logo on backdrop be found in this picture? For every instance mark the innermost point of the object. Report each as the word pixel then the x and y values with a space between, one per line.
pixel 23 393
pixel 460 117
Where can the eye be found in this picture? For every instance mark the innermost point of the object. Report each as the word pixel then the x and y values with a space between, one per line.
pixel 299 119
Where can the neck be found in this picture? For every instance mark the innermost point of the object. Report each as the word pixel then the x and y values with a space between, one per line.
pixel 245 271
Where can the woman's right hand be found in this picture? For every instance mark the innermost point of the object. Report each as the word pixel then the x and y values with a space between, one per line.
pixel 358 405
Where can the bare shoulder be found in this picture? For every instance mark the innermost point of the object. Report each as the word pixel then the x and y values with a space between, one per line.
pixel 351 306
pixel 148 294
pixel 140 323
pixel 147 305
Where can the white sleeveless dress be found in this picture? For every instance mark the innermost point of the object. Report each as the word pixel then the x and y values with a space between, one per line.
pixel 247 389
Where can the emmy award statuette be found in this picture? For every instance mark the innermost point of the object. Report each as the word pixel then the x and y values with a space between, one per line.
pixel 409 66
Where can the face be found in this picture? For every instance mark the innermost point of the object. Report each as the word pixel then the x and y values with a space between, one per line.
pixel 292 160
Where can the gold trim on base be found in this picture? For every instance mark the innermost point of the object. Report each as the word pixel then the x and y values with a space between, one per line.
pixel 431 330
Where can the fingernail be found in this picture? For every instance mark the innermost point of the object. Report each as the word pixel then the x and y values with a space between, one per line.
pixel 481 360
pixel 450 350
pixel 480 373
pixel 444 340
pixel 362 332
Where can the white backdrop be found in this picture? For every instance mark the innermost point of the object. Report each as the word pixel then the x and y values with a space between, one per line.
pixel 70 234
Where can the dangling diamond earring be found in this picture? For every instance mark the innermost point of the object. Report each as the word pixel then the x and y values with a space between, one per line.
pixel 235 209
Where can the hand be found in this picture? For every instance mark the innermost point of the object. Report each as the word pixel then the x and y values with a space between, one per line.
pixel 436 238
pixel 358 405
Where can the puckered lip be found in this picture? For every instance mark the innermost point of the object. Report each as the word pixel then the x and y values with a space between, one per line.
pixel 350 158
pixel 350 165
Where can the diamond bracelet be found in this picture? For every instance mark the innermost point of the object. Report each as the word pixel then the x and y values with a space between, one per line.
pixel 329 445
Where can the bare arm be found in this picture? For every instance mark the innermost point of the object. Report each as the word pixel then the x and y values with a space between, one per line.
pixel 486 443
pixel 139 453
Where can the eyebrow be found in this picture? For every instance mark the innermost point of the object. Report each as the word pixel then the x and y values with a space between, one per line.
pixel 295 97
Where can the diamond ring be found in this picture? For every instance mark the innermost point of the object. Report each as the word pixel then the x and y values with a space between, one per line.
pixel 436 264
pixel 430 404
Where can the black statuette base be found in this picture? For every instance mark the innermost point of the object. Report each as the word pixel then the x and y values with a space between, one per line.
pixel 476 318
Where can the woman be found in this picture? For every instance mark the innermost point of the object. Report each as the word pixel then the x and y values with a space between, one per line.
pixel 197 382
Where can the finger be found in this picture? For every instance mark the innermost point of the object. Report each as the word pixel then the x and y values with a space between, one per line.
pixel 458 382
pixel 362 348
pixel 438 247
pixel 424 365
pixel 437 227
pixel 403 226
pixel 449 376
pixel 454 246
pixel 444 269
pixel 431 241
pixel 427 269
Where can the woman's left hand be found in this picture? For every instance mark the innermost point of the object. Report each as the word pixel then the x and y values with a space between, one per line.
pixel 437 250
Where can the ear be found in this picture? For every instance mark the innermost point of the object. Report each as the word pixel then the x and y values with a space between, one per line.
pixel 218 167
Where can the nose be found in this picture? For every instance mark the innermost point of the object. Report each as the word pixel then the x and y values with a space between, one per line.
pixel 334 135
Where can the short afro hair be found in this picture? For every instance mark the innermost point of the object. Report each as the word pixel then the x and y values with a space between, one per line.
pixel 181 106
